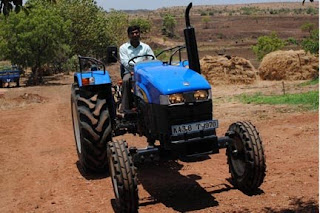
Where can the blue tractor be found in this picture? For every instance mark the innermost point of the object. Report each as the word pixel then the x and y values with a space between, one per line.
pixel 171 105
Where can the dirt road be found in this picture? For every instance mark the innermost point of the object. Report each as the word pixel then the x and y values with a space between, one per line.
pixel 40 173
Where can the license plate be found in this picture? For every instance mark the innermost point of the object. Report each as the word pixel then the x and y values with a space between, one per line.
pixel 194 127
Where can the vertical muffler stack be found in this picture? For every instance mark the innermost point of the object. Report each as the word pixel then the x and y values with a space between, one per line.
pixel 191 43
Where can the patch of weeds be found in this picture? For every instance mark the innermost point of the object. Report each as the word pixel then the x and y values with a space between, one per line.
pixel 308 100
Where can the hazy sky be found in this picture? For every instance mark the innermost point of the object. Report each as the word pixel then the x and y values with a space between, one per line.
pixel 154 4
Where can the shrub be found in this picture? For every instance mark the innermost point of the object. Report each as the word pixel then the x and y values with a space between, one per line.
pixel 220 36
pixel 292 40
pixel 205 20
pixel 274 12
pixel 267 44
pixel 308 27
pixel 203 13
pixel 312 11
pixel 311 44
pixel 247 10
pixel 169 25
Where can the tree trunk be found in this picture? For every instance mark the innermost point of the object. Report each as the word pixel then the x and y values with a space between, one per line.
pixel 37 73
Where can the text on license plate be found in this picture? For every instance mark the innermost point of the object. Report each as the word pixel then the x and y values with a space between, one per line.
pixel 194 127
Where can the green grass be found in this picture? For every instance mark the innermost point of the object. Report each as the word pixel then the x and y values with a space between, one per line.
pixel 311 82
pixel 308 100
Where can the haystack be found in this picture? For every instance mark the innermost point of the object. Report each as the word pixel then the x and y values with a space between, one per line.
pixel 289 65
pixel 227 70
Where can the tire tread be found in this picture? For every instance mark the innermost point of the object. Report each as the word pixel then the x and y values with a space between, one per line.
pixel 95 127
pixel 255 167
pixel 125 175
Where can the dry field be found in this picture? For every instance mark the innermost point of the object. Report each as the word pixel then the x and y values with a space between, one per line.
pixel 236 33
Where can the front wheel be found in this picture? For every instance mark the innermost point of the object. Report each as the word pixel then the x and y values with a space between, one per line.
pixel 123 176
pixel 246 157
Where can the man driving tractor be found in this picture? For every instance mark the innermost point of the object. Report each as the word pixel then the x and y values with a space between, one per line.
pixel 134 47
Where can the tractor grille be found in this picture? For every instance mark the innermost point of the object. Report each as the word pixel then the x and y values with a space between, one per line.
pixel 189 113
pixel 166 116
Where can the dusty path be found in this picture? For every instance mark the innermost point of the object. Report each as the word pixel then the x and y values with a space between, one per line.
pixel 39 171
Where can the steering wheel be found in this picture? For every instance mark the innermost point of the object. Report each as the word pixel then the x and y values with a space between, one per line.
pixel 132 61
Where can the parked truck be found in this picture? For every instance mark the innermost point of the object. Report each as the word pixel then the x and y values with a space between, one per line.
pixel 9 75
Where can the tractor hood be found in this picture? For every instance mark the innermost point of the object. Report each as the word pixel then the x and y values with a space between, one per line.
pixel 159 78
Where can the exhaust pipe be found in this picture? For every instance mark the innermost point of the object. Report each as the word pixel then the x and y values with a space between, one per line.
pixel 191 43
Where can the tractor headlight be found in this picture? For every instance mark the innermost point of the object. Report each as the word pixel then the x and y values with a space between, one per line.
pixel 201 95
pixel 176 98
pixel 187 97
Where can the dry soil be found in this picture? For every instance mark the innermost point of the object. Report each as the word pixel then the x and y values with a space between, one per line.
pixel 40 171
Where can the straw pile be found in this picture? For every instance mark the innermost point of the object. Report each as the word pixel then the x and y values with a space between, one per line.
pixel 227 70
pixel 289 65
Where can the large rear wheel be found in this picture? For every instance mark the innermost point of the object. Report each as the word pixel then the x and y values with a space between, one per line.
pixel 92 126
pixel 123 176
pixel 246 157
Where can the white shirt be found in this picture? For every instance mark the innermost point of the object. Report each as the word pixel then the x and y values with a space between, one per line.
pixel 127 51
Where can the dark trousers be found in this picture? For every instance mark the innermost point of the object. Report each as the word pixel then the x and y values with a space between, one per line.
pixel 126 87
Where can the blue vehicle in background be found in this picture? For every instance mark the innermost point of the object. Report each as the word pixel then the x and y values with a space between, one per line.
pixel 9 75
pixel 171 107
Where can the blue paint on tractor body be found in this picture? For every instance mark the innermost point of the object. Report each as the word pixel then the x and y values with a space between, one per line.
pixel 157 78
pixel 100 77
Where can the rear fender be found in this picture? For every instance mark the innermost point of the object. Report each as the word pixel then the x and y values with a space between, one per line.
pixel 96 78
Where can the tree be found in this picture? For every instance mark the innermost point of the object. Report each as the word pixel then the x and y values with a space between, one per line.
pixel 267 44
pixel 6 6
pixel 169 24
pixel 116 27
pixel 83 15
pixel 144 24
pixel 92 29
pixel 52 33
pixel 34 40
